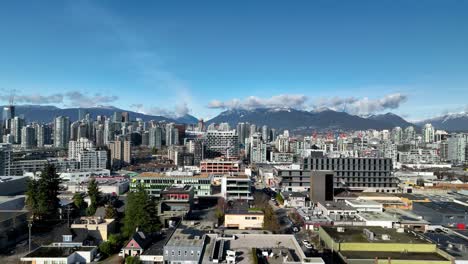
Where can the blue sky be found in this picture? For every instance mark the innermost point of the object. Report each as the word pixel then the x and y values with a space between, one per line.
pixel 172 57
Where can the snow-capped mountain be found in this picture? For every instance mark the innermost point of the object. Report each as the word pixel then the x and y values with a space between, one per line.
pixel 293 119
pixel 449 122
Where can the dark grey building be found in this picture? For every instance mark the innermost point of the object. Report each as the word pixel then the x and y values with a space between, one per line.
pixel 294 180
pixel 366 174
pixel 185 246
pixel 10 186
pixel 321 186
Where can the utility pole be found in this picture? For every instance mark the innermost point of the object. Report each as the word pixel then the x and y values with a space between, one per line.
pixel 68 214
pixel 29 227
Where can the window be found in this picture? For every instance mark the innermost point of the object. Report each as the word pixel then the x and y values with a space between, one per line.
pixel 179 253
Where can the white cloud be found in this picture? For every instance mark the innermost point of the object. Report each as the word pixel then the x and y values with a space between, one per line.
pixel 253 102
pixel 71 99
pixel 361 106
pixel 178 111
pixel 35 99
pixel 79 99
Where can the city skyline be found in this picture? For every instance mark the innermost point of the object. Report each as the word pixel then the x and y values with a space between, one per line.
pixel 170 59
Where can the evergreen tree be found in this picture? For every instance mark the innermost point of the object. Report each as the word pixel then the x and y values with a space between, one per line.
pixel 111 212
pixel 132 260
pixel 78 200
pixel 94 195
pixel 42 194
pixel 141 212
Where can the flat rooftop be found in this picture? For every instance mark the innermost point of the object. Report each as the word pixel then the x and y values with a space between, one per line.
pixel 337 206
pixel 56 252
pixel 412 196
pixel 187 236
pixel 377 216
pixel 243 208
pixel 244 243
pixel 356 235
pixel 360 202
pixel 443 207
pixel 393 255
pixel 406 217
pixel 376 194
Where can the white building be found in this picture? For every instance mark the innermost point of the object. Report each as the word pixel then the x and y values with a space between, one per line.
pixel 428 133
pixel 236 187
pixel 457 148
pixel 83 175
pixel 62 255
pixel 92 159
pixel 365 205
pixel 258 149
pixel 377 219
pixel 75 146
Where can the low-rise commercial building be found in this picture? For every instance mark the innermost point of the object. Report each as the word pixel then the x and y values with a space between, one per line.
pixel 365 205
pixel 185 246
pixel 154 183
pixel 96 227
pixel 236 187
pixel 81 175
pixel 220 166
pixel 62 255
pixel 377 219
pixel 176 201
pixel 244 219
pixel 382 245
pixel 107 185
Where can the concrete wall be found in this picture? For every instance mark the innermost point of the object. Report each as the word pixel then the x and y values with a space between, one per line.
pixel 388 247
pixel 239 221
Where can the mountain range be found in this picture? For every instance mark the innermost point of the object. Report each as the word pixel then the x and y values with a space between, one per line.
pixel 279 118
pixel 45 114
pixel 449 122
pixel 305 121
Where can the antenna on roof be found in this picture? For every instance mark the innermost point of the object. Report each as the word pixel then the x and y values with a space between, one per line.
pixel 11 100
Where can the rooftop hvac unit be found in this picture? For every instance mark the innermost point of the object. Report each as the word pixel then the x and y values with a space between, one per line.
pixel 385 237
pixel 369 234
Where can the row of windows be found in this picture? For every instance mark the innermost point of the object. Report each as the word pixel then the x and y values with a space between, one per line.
pixel 250 218
pixel 179 253
pixel 172 181
pixel 353 161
